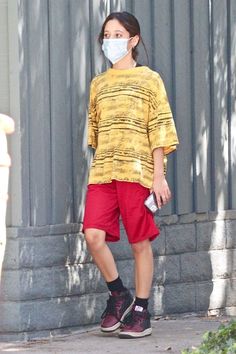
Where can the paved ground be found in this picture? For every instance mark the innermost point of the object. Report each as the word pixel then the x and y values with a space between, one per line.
pixel 170 335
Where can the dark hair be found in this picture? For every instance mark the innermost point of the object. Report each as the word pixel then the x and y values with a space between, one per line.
pixel 130 23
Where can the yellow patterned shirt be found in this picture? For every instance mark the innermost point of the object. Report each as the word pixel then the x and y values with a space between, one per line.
pixel 129 117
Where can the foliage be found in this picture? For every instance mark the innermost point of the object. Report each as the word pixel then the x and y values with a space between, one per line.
pixel 222 341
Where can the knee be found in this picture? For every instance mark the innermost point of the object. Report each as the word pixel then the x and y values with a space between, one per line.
pixel 95 239
pixel 141 247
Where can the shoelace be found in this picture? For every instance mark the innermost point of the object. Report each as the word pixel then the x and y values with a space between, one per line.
pixel 132 316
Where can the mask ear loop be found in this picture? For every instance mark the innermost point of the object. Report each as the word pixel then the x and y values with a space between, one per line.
pixel 135 63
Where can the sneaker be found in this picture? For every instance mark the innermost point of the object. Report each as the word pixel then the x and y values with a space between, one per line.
pixel 118 306
pixel 137 324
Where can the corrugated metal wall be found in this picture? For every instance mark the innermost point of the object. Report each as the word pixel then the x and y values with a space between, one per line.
pixel 4 68
pixel 191 43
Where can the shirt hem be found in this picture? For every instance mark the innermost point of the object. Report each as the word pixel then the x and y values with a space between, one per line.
pixel 121 180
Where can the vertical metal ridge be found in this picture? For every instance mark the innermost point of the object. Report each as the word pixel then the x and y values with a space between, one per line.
pixel 50 107
pixel 152 24
pixel 90 38
pixel 25 6
pixel 229 104
pixel 173 80
pixel 73 213
pixel 211 74
pixel 132 7
pixel 192 97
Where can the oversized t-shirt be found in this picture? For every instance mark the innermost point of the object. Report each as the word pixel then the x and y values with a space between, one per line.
pixel 129 117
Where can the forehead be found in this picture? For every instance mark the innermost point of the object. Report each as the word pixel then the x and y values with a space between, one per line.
pixel 114 25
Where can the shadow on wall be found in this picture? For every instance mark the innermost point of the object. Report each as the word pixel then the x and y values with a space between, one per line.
pixel 223 146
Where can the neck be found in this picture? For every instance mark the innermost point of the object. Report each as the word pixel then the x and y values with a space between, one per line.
pixel 126 63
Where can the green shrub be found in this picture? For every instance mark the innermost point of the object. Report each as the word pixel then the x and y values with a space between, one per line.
pixel 222 341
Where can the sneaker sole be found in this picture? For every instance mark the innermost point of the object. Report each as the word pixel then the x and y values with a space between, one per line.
pixel 145 333
pixel 118 324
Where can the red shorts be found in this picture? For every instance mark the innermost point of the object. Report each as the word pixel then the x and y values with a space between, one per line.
pixel 106 202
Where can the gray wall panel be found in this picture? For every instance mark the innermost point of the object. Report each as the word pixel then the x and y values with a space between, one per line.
pixel 162 59
pixel 129 6
pixel 220 126
pixel 4 62
pixel 139 9
pixel 80 79
pixel 24 168
pixel 98 10
pixel 39 113
pixel 60 106
pixel 232 100
pixel 201 104
pixel 184 165
pixel 14 214
pixel 117 5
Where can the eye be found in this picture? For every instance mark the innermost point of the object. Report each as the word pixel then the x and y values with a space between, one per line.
pixel 106 35
pixel 119 35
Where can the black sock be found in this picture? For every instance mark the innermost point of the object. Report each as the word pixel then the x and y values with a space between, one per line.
pixel 116 285
pixel 141 303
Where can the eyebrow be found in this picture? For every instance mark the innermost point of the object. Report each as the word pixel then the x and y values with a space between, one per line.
pixel 115 31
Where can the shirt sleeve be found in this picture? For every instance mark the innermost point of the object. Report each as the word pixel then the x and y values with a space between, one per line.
pixel 161 126
pixel 92 119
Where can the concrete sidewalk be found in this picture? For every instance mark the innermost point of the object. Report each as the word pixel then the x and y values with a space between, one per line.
pixel 170 335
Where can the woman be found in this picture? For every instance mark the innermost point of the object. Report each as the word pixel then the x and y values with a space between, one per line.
pixel 132 130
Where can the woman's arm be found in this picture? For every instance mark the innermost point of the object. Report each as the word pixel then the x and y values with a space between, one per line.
pixel 160 185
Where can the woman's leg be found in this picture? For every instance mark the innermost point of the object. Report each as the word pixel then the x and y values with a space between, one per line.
pixel 120 300
pixel 101 253
pixel 143 257
pixel 138 324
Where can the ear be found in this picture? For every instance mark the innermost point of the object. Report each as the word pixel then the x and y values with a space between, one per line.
pixel 135 40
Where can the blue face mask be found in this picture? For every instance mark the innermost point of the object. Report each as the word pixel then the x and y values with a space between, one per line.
pixel 115 49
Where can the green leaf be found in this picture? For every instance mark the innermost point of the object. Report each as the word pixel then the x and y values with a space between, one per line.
pixel 222 341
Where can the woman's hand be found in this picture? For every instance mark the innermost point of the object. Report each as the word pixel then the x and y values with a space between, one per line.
pixel 161 189
pixel 160 186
